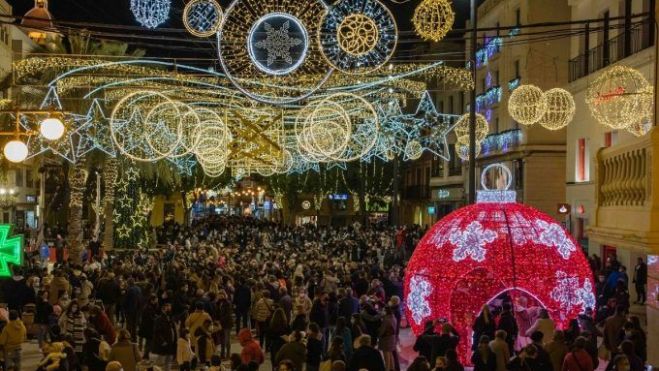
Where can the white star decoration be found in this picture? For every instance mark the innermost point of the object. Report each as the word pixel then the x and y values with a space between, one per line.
pixel 278 43
pixel 569 294
pixel 471 242
pixel 417 300
pixel 553 235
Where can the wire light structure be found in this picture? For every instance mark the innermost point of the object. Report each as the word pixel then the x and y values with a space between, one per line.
pixel 616 97
pixel 462 128
pixel 433 19
pixel 202 18
pixel 560 109
pixel 358 36
pixel 150 13
pixel 643 126
pixel 527 104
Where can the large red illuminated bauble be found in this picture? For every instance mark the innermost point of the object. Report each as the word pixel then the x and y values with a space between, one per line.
pixel 481 251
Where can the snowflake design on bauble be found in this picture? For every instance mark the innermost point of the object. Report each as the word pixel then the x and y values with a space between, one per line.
pixel 417 300
pixel 553 235
pixel 278 43
pixel 471 242
pixel 569 293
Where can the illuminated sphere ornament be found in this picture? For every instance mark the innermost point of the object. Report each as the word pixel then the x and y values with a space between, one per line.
pixel 433 19
pixel 358 36
pixel 150 13
pixel 462 128
pixel 202 18
pixel 462 150
pixel 527 104
pixel 492 251
pixel 643 125
pixel 15 151
pixel 615 98
pixel 413 150
pixel 560 109
pixel 51 128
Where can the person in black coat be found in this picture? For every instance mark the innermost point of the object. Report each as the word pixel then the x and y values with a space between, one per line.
pixel 447 340
pixel 42 316
pixel 422 344
pixel 484 325
pixel 543 361
pixel 164 336
pixel 242 299
pixel 508 323
pixel 366 357
pixel 348 304
pixel 145 331
pixel 483 357
pixel 640 280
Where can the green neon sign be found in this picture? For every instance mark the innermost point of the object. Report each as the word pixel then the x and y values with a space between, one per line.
pixel 11 250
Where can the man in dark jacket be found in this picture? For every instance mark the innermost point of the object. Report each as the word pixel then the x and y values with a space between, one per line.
pixel 640 280
pixel 223 310
pixel 164 337
pixel 366 357
pixel 242 299
pixel 508 323
pixel 543 361
pixel 145 331
pixel 348 304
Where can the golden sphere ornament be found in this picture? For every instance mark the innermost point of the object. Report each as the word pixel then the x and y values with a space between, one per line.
pixel 615 98
pixel 433 19
pixel 358 34
pixel 527 104
pixel 560 109
pixel 462 128
pixel 462 150
pixel 643 125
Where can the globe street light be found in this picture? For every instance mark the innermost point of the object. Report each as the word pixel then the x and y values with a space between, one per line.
pixel 15 151
pixel 52 128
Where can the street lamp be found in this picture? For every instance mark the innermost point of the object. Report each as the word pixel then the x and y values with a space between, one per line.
pixel 52 128
pixel 15 151
pixel 472 105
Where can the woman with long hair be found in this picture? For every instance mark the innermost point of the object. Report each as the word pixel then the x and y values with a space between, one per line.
pixel 277 328
pixel 483 325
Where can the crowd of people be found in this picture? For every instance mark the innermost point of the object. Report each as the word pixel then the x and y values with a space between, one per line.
pixel 233 293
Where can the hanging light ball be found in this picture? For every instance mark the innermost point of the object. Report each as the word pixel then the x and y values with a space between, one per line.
pixel 616 97
pixel 413 150
pixel 462 150
pixel 643 125
pixel 462 128
pixel 560 109
pixel 150 13
pixel 527 104
pixel 51 128
pixel 15 151
pixel 433 19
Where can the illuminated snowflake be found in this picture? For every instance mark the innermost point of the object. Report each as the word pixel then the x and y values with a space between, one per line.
pixel 417 300
pixel 278 43
pixel 150 13
pixel 569 293
pixel 471 242
pixel 553 235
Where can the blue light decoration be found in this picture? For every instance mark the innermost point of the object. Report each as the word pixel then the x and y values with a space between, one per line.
pixel 11 250
pixel 491 48
pixel 278 43
pixel 338 196
pixel 491 97
pixel 94 133
pixel 184 164
pixel 431 210
pixel 202 18
pixel 436 127
pixel 501 143
pixel 514 83
pixel 365 54
pixel 150 13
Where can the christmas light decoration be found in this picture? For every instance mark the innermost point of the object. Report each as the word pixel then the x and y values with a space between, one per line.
pixel 150 13
pixel 462 127
pixel 413 150
pixel 433 19
pixel 462 150
pixel 615 98
pixel 527 104
pixel 479 252
pixel 202 18
pixel 560 109
pixel 358 36
pixel 491 48
pixel 15 151
pixel 284 41
pixel 11 250
pixel 501 142
pixel 643 125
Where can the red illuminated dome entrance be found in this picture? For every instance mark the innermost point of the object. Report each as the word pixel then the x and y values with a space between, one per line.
pixel 472 256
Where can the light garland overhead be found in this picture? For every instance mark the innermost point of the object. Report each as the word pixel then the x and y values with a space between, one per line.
pixel 150 13
pixel 202 18
pixel 527 104
pixel 433 19
pixel 615 98
pixel 358 36
pixel 560 109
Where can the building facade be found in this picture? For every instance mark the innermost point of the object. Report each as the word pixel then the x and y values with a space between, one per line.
pixel 506 59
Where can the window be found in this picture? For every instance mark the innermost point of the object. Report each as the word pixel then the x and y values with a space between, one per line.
pixel 496 78
pixel 498 27
pixel 484 84
pixel 610 138
pixel 418 176
pixel 19 177
pixel 441 106
pixel 496 125
pixel 518 16
pixel 427 179
pixel 582 165
pixel 516 66
pixel 29 181
pixel 450 104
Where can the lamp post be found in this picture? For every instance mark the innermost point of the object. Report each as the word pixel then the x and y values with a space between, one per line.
pixel 472 106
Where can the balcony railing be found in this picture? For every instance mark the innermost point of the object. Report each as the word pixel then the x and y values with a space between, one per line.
pixel 417 192
pixel 501 142
pixel 623 179
pixel 611 51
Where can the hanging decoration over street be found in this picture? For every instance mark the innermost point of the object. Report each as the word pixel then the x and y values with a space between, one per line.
pixel 150 13
pixel 433 19
pixel 202 18
pixel 527 104
pixel 11 250
pixel 478 253
pixel 560 109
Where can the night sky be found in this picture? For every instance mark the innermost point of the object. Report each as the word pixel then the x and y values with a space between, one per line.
pixel 117 12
